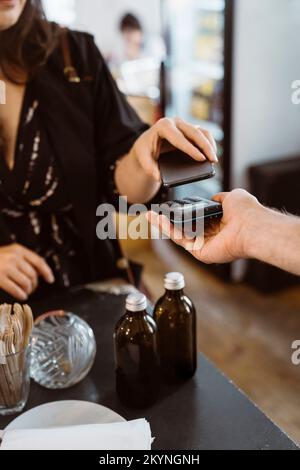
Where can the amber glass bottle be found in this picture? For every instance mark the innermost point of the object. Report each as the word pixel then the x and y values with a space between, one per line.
pixel 175 317
pixel 137 373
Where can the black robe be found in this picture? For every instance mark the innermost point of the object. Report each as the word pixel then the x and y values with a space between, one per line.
pixel 90 125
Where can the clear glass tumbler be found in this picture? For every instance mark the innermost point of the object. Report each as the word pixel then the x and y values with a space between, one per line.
pixel 14 381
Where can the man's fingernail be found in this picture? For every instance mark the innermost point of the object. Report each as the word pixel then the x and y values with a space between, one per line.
pixel 163 220
pixel 154 216
pixel 151 216
pixel 51 278
pixel 189 246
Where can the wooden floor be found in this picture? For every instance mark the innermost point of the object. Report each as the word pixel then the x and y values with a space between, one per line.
pixel 246 334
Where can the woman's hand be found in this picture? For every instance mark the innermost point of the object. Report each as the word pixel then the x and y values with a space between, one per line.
pixel 137 174
pixel 231 238
pixel 20 269
pixel 168 134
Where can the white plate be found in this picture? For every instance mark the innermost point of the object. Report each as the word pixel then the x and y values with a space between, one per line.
pixel 64 413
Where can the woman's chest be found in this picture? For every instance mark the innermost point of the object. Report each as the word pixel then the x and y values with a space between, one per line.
pixel 35 183
pixel 10 114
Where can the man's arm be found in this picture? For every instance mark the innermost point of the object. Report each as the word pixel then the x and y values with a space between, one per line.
pixel 275 239
pixel 247 230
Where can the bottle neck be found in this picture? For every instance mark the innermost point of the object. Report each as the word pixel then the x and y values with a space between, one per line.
pixel 140 313
pixel 175 294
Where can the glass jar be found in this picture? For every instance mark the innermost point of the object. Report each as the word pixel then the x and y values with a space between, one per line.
pixel 63 350
pixel 14 381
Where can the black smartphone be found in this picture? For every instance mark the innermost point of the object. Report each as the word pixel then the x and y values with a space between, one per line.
pixel 178 168
pixel 191 209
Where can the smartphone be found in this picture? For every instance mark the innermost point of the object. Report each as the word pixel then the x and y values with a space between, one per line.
pixel 178 168
pixel 191 209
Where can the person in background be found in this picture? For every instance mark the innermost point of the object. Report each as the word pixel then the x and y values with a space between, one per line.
pixel 133 37
pixel 247 230
pixel 135 43
pixel 69 141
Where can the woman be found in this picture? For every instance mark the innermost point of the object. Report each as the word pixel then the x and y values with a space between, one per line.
pixel 66 146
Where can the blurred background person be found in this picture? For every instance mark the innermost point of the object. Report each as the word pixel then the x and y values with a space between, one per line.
pixel 135 43
pixel 135 59
pixel 132 37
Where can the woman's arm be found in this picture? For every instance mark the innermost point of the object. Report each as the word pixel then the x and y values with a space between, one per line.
pixel 139 187
pixel 137 174
pixel 121 133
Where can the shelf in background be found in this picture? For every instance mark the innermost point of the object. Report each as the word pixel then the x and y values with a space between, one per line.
pixel 210 5
pixel 195 71
pixel 208 69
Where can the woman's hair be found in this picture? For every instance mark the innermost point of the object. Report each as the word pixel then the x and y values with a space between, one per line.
pixel 27 45
pixel 130 22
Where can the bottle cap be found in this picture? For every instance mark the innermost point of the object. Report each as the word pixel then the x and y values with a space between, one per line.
pixel 174 281
pixel 136 302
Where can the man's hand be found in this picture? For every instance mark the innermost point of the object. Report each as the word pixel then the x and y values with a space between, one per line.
pixel 20 269
pixel 227 240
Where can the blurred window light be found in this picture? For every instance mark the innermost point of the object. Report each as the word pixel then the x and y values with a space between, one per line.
pixel 61 11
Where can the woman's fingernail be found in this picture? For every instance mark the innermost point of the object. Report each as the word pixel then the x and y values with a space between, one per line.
pixel 200 157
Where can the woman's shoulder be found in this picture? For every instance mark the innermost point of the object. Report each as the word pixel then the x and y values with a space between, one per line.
pixel 84 41
pixel 84 51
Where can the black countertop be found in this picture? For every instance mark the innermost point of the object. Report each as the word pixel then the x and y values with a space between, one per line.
pixel 208 412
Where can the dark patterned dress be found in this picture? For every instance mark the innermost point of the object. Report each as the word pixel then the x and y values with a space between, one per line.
pixel 34 204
